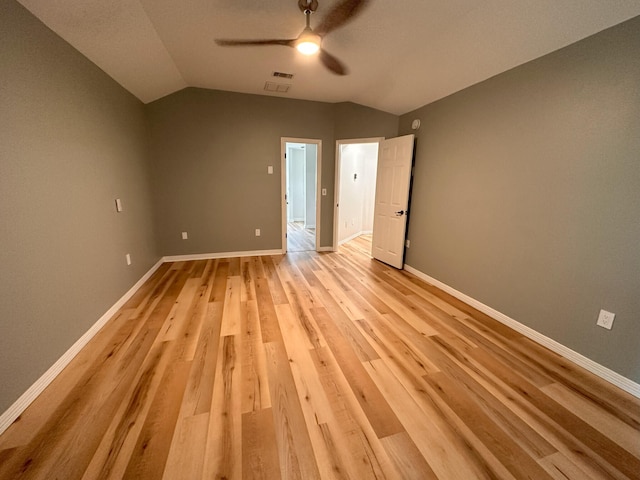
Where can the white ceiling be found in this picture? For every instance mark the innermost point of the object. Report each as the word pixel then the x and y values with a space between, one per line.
pixel 402 54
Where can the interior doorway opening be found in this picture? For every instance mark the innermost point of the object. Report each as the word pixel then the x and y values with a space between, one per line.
pixel 301 205
pixel 356 172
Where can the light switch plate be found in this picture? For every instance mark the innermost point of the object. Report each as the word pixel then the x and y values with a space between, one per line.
pixel 185 235
pixel 270 169
pixel 324 192
pixel 118 205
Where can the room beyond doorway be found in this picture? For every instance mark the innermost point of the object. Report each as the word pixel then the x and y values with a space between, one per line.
pixel 356 173
pixel 300 200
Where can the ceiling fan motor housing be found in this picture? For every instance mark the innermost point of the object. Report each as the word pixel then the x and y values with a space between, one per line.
pixel 309 6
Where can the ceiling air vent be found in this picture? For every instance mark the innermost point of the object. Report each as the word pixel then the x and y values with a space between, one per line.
pixel 288 76
pixel 277 87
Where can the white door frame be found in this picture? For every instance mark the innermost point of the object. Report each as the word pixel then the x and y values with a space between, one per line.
pixel 336 187
pixel 283 188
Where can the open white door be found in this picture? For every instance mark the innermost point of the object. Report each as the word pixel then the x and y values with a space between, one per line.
pixel 395 157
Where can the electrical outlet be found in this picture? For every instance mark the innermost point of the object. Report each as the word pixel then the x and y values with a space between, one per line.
pixel 128 258
pixel 605 319
pixel 185 236
pixel 257 232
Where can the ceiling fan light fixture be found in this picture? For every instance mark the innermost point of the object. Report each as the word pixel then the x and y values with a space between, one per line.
pixel 308 42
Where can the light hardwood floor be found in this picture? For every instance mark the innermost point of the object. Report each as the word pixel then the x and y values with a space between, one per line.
pixel 300 239
pixel 314 366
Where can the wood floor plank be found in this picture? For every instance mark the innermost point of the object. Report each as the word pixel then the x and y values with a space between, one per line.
pixel 382 418
pixel 314 365
pixel 259 448
pixel 488 399
pixel 408 458
pixel 585 384
pixel 188 449
pixel 269 327
pixel 628 436
pixel 561 468
pixel 392 345
pixel 370 459
pixel 310 394
pixel 510 454
pixel 255 380
pixel 295 450
pixel 219 290
pixel 597 453
pixel 224 438
pixel 112 456
pixel 321 423
pixel 197 398
pixel 232 313
pixel 449 455
pixel 301 301
pixel 149 456
pixel 359 344
pixel 278 294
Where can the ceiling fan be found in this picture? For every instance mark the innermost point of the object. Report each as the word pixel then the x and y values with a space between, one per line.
pixel 310 40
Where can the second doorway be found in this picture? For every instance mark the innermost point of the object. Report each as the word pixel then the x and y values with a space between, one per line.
pixel 301 180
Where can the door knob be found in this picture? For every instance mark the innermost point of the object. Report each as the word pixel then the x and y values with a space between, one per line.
pixel 400 213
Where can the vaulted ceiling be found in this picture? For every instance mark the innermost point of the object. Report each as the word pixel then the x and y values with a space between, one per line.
pixel 401 54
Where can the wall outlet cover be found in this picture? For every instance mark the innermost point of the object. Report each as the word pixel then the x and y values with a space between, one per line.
pixel 605 319
pixel 185 235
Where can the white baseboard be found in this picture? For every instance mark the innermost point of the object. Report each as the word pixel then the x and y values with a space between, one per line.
pixel 20 405
pixel 325 249
pixel 355 235
pixel 209 256
pixel 603 372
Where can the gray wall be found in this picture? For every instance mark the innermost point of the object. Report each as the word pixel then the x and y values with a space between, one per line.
pixel 357 121
pixel 527 194
pixel 71 141
pixel 210 152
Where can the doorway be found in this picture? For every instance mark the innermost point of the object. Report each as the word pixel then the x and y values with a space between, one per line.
pixel 300 200
pixel 356 172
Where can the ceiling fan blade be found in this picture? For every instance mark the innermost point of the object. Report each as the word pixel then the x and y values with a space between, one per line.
pixel 342 13
pixel 332 63
pixel 246 43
